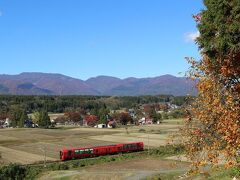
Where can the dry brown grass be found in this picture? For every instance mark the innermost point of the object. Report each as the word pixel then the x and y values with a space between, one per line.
pixel 128 169
pixel 25 145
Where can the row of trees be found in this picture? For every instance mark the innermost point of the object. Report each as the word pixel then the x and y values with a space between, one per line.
pixel 60 104
pixel 19 117
pixel 92 120
pixel 16 108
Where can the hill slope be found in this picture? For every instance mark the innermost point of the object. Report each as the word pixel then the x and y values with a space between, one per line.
pixel 58 84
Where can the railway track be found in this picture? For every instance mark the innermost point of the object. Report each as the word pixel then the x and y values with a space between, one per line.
pixel 47 163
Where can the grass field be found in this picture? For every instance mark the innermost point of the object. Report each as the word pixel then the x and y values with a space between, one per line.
pixel 26 146
pixel 131 169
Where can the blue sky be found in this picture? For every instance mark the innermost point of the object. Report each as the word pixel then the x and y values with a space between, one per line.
pixel 87 38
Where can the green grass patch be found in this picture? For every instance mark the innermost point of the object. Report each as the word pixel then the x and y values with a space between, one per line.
pixel 225 174
pixel 168 150
pixel 163 176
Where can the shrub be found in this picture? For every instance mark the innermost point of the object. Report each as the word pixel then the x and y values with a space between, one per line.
pixel 63 167
pixel 168 150
pixel 13 171
pixel 142 130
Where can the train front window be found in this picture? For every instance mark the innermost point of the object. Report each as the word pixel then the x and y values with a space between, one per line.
pixel 60 153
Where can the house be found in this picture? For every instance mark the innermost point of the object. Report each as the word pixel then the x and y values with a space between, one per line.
pixel 132 113
pixel 101 126
pixel 2 121
pixel 84 122
pixel 149 121
pixel 28 124
pixel 111 124
pixel 144 121
pixel 7 123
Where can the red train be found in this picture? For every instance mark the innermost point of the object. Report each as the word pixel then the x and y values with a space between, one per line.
pixel 85 152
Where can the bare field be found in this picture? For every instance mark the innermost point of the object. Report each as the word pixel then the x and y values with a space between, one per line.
pixel 154 140
pixel 28 145
pixel 129 169
pixel 11 155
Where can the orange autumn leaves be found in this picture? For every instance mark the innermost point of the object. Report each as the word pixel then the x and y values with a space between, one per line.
pixel 212 131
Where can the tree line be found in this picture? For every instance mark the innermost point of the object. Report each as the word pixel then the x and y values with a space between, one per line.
pixel 60 104
pixel 17 108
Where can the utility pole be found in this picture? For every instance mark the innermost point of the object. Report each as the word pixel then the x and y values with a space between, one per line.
pixel 43 149
pixel 148 144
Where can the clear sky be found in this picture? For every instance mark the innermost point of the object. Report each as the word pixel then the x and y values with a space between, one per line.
pixel 87 38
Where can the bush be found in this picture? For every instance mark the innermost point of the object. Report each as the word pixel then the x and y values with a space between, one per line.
pixel 13 171
pixel 32 172
pixel 63 167
pixel 168 150
pixel 142 130
pixel 75 164
pixel 235 172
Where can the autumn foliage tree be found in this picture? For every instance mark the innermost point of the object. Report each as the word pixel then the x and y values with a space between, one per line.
pixel 212 129
pixel 123 118
pixel 73 116
pixel 91 120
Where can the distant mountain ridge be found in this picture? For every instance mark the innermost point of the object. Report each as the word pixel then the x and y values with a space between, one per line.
pixel 58 84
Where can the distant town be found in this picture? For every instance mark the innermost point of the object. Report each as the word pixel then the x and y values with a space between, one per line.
pixel 88 111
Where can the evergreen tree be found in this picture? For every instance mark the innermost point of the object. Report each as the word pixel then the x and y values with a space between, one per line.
pixel 44 119
pixel 15 115
pixel 219 40
pixel 156 117
pixel 22 119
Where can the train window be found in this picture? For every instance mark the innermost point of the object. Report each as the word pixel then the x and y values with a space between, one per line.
pixel 81 151
pixel 91 151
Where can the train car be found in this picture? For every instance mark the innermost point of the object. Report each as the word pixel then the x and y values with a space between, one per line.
pixel 86 152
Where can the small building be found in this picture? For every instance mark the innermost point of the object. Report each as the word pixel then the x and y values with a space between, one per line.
pixel 7 122
pixel 101 126
pixel 144 121
pixel 112 124
pixel 149 121
pixel 28 124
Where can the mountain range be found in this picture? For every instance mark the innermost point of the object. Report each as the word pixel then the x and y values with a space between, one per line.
pixel 31 83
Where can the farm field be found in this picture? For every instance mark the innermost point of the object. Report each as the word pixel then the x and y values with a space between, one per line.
pixel 27 146
pixel 139 168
